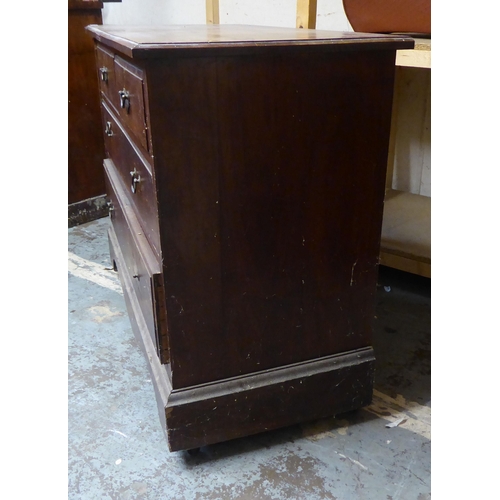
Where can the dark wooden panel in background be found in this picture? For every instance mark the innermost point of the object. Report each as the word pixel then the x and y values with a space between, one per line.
pixel 85 137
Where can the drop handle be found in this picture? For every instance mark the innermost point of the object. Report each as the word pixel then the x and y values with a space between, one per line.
pixel 107 129
pixel 104 74
pixel 111 208
pixel 124 99
pixel 135 179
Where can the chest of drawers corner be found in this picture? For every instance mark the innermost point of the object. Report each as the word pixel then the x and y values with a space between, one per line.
pixel 245 171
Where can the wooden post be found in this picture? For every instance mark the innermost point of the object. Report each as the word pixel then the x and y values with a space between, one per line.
pixel 306 13
pixel 212 11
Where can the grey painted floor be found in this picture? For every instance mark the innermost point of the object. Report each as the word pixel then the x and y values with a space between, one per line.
pixel 117 448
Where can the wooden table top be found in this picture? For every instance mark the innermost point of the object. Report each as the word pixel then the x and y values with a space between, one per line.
pixel 148 41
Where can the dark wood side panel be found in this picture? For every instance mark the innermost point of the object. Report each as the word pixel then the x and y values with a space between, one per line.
pixel 85 141
pixel 302 175
pixel 186 168
pixel 272 254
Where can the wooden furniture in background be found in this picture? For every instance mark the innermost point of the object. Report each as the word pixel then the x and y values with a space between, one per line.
pixel 406 230
pixel 245 169
pixel 419 57
pixel 86 187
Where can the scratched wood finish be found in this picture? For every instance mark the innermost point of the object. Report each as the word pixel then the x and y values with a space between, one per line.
pixel 267 185
pixel 85 140
pixel 268 239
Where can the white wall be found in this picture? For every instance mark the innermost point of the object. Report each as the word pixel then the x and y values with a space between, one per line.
pixel 330 15
pixel 258 12
pixel 154 12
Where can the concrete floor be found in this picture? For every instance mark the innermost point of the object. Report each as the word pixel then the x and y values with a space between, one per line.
pixel 117 448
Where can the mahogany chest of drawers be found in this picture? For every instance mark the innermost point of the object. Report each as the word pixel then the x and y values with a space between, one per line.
pixel 245 173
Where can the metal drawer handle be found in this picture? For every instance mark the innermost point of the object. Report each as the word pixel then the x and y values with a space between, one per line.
pixel 111 208
pixel 108 130
pixel 136 178
pixel 124 99
pixel 104 74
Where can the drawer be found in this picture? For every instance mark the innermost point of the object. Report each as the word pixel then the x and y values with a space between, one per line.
pixel 128 99
pixel 140 264
pixel 135 174
pixel 106 71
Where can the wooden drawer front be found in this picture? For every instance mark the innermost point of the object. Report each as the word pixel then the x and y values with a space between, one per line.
pixel 141 264
pixel 106 71
pixel 129 99
pixel 135 174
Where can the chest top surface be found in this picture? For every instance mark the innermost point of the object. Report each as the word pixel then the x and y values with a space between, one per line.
pixel 156 41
